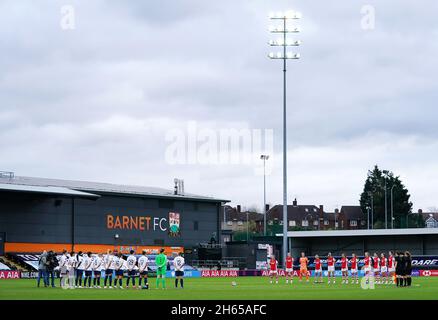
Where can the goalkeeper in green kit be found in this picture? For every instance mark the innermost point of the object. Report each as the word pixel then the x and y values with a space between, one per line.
pixel 161 263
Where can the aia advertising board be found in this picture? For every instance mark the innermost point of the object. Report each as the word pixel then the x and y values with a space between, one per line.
pixel 219 273
pixel 9 274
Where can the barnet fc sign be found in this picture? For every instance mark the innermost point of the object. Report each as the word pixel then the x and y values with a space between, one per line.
pixel 171 225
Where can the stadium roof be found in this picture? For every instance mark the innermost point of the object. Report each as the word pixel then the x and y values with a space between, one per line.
pixel 72 186
pixel 360 233
pixel 47 190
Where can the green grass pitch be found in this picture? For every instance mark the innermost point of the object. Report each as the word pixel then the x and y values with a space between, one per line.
pixel 247 288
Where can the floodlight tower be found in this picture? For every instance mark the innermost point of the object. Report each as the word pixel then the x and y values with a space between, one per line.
pixel 283 29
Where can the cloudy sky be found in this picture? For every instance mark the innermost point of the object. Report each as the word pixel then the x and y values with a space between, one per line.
pixel 96 102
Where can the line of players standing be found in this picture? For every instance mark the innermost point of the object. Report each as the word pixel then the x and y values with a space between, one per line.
pixel 79 270
pixel 396 269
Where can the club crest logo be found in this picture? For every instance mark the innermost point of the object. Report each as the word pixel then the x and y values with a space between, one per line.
pixel 174 228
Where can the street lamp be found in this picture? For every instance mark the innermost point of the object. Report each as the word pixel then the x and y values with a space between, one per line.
pixel 368 217
pixel 247 226
pixel 264 157
pixel 392 207
pixel 386 172
pixel 371 195
pixel 283 29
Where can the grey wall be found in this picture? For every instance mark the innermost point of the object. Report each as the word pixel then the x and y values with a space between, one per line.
pixel 44 219
pixel 30 218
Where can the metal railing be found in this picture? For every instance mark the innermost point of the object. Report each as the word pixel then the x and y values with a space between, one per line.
pixel 211 245
pixel 231 262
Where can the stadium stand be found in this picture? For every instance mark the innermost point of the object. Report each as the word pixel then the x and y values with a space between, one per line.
pixel 227 263
pixel 15 263
pixel 3 266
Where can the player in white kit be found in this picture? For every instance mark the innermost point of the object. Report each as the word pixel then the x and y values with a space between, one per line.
pixel 119 264
pixel 71 267
pixel 79 269
pixel 178 264
pixel 63 271
pixel 131 263
pixel 109 268
pixel 88 262
pixel 143 270
pixel 97 270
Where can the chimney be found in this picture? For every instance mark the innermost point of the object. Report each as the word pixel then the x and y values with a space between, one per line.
pixel 238 208
pixel 321 212
pixel 179 187
pixel 267 207
pixel 175 188
pixel 295 203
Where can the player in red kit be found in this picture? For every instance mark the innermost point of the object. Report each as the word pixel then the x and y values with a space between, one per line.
pixel 289 268
pixel 344 269
pixel 318 269
pixel 273 271
pixel 303 267
pixel 354 274
pixel 331 267
pixel 391 267
pixel 383 268
pixel 367 265
pixel 376 267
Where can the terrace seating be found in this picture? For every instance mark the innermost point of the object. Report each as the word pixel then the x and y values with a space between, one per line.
pixel 7 263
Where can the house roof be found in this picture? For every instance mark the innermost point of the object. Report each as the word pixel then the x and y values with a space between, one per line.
pixel 352 212
pixel 296 212
pixel 431 219
pixel 232 214
pixel 101 188
pixel 426 215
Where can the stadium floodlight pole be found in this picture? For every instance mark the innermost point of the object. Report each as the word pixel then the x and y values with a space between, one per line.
pixel 264 157
pixel 283 29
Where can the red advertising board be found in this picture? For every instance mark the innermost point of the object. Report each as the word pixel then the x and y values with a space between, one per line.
pixel 9 274
pixel 428 273
pixel 219 273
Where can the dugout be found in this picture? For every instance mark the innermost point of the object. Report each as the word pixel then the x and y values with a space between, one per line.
pixel 421 241
pixel 38 214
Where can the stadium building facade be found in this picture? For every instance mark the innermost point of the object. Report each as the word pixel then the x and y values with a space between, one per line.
pixel 38 214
